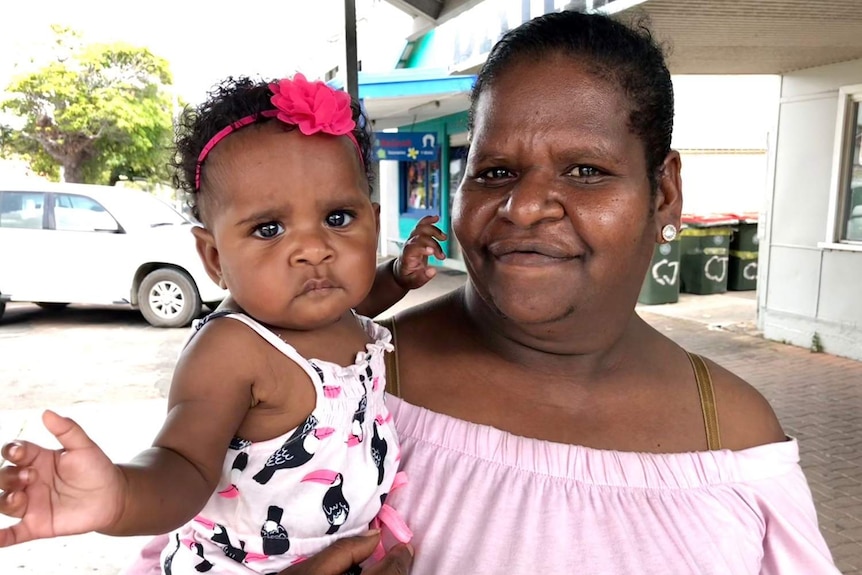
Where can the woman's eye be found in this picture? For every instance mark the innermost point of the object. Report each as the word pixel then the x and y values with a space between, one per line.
pixel 494 174
pixel 490 176
pixel 268 230
pixel 586 172
pixel 339 219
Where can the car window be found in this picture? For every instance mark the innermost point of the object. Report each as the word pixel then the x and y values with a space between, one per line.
pixel 147 211
pixel 81 214
pixel 22 210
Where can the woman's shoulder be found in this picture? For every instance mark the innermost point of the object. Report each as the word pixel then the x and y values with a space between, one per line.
pixel 746 418
pixel 442 314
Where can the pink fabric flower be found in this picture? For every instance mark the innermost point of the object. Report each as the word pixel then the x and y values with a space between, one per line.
pixel 312 106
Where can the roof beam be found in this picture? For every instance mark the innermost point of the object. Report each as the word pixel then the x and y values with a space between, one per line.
pixel 428 8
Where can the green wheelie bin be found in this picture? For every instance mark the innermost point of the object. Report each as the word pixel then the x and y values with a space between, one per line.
pixel 704 252
pixel 661 283
pixel 742 262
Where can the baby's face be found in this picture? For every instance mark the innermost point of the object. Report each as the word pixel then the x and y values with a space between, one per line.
pixel 292 224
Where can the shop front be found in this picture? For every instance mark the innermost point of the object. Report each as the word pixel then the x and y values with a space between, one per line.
pixel 421 166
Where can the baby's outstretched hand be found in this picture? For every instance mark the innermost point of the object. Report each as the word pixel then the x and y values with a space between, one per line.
pixel 58 492
pixel 411 269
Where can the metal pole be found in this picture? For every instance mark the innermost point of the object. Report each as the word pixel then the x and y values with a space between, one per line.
pixel 351 56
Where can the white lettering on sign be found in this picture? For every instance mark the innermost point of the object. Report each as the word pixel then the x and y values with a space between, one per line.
pixel 428 140
pixel 709 268
pixel 749 272
pixel 662 278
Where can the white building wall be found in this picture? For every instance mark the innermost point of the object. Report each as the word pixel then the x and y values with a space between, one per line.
pixel 804 288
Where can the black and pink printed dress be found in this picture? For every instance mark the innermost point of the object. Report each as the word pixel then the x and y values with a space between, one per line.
pixel 282 500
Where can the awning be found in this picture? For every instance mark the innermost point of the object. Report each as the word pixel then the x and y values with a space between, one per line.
pixel 408 96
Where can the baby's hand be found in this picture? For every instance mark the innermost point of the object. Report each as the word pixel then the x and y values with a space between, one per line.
pixel 411 269
pixel 58 492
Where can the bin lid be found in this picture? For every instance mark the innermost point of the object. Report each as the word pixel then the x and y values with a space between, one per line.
pixel 744 217
pixel 708 220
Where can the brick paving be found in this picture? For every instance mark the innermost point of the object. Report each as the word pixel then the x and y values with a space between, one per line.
pixel 818 399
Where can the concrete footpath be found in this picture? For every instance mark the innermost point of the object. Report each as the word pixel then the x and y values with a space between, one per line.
pixel 818 398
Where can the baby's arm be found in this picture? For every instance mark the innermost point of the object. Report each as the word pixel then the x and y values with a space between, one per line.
pixel 77 489
pixel 210 395
pixel 408 271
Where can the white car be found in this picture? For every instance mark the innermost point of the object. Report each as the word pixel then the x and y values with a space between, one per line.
pixel 76 243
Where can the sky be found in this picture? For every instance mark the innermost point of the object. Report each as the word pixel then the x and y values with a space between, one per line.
pixel 725 111
pixel 205 41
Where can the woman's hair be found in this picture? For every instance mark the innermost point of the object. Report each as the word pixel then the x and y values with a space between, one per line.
pixel 625 55
pixel 229 101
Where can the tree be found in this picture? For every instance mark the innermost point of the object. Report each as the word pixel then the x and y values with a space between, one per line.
pixel 98 111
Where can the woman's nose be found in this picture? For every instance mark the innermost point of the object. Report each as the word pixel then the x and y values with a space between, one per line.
pixel 531 200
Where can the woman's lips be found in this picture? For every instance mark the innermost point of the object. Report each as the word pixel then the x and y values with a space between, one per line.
pixel 530 259
pixel 530 253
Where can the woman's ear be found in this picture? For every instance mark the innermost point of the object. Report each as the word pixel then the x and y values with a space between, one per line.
pixel 208 252
pixel 668 197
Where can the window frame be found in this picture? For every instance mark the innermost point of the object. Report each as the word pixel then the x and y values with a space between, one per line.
pixel 849 97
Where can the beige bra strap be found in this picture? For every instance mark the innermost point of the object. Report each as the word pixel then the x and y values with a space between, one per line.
pixel 707 401
pixel 393 387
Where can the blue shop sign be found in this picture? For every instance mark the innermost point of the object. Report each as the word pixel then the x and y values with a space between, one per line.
pixel 406 146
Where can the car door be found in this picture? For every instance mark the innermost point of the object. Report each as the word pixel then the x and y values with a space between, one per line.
pixel 24 244
pixel 87 252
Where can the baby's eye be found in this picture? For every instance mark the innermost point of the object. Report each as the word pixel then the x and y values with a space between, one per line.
pixel 339 219
pixel 268 230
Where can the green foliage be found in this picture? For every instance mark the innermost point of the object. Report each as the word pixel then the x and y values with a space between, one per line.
pixel 816 344
pixel 101 112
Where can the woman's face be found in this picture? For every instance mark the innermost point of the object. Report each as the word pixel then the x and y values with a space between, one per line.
pixel 554 215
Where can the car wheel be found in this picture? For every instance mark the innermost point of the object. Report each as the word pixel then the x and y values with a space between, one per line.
pixel 169 298
pixel 51 306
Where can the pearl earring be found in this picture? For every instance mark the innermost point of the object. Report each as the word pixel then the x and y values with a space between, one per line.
pixel 668 233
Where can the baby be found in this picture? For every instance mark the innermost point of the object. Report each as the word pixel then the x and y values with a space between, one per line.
pixel 277 439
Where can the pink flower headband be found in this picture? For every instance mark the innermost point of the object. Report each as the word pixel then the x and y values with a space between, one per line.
pixel 312 106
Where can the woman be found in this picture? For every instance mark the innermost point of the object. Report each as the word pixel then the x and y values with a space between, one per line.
pixel 546 428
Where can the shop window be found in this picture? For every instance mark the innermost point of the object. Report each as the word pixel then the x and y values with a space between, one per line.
pixel 457 167
pixel 845 224
pixel 420 183
pixel 853 198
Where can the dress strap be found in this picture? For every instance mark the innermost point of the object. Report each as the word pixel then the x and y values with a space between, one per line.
pixel 270 337
pixel 393 386
pixel 707 401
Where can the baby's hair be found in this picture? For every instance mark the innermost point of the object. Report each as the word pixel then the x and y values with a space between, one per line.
pixel 233 99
